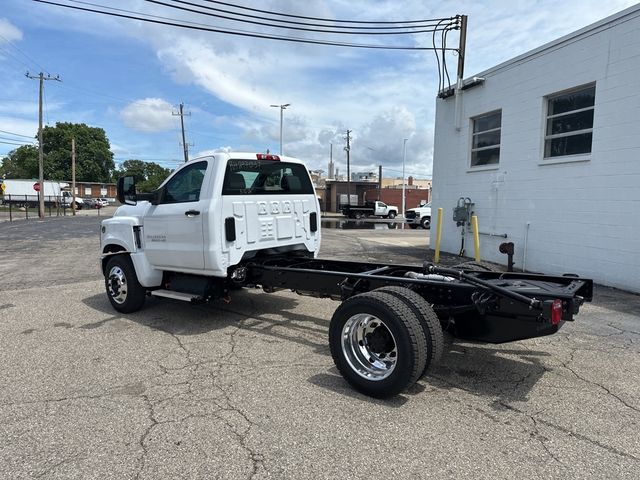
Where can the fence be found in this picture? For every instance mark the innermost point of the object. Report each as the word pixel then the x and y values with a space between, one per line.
pixel 19 207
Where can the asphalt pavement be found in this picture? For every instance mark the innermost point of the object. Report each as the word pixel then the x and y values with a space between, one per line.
pixel 248 390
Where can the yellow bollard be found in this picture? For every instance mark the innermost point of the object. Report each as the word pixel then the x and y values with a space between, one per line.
pixel 436 258
pixel 476 237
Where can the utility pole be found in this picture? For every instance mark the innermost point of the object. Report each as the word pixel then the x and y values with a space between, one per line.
pixel 404 188
pixel 348 149
pixel 460 75
pixel 42 78
pixel 73 175
pixel 185 145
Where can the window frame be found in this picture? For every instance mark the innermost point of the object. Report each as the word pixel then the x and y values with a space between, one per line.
pixel 550 137
pixel 266 169
pixel 179 174
pixel 473 135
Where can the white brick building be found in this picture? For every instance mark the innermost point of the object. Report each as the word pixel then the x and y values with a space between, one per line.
pixel 548 149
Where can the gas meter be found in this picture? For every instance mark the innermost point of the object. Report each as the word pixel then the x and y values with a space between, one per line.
pixel 462 211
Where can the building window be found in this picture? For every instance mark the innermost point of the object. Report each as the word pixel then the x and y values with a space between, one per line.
pixel 485 144
pixel 87 191
pixel 569 128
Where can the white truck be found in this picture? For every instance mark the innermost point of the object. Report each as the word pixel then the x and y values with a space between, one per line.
pixel 231 220
pixel 22 193
pixel 375 208
pixel 186 240
pixel 419 216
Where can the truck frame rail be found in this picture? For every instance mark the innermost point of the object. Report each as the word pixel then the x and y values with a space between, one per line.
pixel 489 306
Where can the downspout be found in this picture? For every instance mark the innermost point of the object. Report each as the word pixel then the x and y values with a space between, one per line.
pixel 526 241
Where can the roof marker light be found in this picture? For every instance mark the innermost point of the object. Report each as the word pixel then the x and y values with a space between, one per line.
pixel 266 156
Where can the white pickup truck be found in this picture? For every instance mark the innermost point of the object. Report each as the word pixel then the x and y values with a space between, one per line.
pixel 419 216
pixel 227 221
pixel 375 208
pixel 184 240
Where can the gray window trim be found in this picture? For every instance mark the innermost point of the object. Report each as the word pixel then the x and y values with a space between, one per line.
pixel 488 147
pixel 548 117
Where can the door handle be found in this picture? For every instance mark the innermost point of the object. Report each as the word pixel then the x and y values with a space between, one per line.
pixel 192 213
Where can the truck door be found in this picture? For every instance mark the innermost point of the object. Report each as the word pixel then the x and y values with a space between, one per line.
pixel 173 229
pixel 380 209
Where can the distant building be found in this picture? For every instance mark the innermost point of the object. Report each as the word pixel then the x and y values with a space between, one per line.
pixel 547 148
pixel 94 189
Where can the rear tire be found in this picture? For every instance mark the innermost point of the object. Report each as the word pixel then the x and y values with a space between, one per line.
pixel 121 282
pixel 377 344
pixel 477 266
pixel 428 321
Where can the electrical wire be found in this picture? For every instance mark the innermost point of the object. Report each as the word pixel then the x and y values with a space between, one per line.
pixel 15 134
pixel 262 23
pixel 46 107
pixel 13 143
pixel 199 27
pixel 23 53
pixel 240 7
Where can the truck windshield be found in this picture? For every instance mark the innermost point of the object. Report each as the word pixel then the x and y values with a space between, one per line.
pixel 265 177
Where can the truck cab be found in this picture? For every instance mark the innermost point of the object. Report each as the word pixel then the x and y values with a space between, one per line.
pixel 206 219
pixel 419 216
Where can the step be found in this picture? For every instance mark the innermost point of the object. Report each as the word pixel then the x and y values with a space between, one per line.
pixel 185 297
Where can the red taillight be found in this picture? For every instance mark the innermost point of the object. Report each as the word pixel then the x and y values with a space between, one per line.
pixel 266 156
pixel 556 311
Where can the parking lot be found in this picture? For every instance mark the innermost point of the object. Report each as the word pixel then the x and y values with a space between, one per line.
pixel 249 390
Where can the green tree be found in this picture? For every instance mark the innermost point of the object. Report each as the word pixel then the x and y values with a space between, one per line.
pixel 94 159
pixel 148 175
pixel 20 163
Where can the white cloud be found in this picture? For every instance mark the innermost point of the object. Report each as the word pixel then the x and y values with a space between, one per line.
pixel 9 31
pixel 148 115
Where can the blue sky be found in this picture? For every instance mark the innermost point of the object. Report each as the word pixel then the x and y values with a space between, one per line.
pixel 128 77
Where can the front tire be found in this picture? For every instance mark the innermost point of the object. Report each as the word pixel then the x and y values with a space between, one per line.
pixel 377 344
pixel 425 222
pixel 121 282
pixel 392 214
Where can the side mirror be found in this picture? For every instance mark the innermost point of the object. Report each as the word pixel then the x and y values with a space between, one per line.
pixel 127 191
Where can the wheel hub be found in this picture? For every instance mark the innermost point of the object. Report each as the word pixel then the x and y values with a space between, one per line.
pixel 369 347
pixel 117 285
pixel 380 340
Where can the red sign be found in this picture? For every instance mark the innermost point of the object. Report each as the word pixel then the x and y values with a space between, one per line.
pixel 36 186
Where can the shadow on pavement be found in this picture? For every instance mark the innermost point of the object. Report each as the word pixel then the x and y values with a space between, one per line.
pixel 489 370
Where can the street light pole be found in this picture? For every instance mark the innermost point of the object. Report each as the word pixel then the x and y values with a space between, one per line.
pixel 404 191
pixel 281 107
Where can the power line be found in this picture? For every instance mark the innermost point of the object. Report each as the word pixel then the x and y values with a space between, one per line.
pixel 200 27
pixel 268 12
pixel 289 27
pixel 15 134
pixel 13 143
pixel 23 53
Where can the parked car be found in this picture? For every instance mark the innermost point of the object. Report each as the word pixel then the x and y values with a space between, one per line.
pixel 92 203
pixel 103 201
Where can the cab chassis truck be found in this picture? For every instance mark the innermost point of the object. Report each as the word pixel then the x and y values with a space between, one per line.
pixel 234 220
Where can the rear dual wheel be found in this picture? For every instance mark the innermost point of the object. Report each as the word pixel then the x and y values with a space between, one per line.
pixel 379 344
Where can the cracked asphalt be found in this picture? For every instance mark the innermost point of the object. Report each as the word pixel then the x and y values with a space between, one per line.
pixel 248 390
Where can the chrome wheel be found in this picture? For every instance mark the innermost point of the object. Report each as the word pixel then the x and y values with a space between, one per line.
pixel 117 285
pixel 369 347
